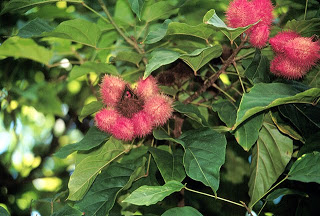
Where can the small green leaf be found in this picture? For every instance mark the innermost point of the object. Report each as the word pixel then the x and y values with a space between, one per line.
pixel 170 165
pixel 306 28
pixel 96 67
pixel 90 164
pixel 205 151
pixel 270 156
pixel 283 191
pixel 123 14
pixel 191 111
pixel 67 211
pixel 25 48
pixel 136 7
pixel 89 109
pixel 157 10
pixel 161 135
pixel 212 19
pixel 258 70
pixel 158 34
pixel 266 95
pixel 148 195
pixel 3 212
pixel 306 168
pixel 34 28
pixel 312 78
pixel 227 111
pixel 132 57
pixel 93 138
pixel 182 211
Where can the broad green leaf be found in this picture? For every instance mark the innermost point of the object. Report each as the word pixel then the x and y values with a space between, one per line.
pixel 196 62
pixel 21 5
pixel 312 78
pixel 158 34
pixel 305 117
pixel 77 30
pixel 182 211
pixel 311 144
pixel 103 192
pixel 283 191
pixel 161 135
pixel 191 111
pixel 306 168
pixel 93 138
pixel 158 10
pixel 205 151
pixel 3 212
pixel 270 156
pixel 227 111
pixel 306 28
pixel 90 165
pixel 136 7
pixel 148 195
pixel 25 48
pixel 89 109
pixel 34 28
pixel 132 57
pixel 258 70
pixel 248 132
pixel 212 19
pixel 266 95
pixel 123 14
pixel 170 165
pixel 67 211
pixel 96 67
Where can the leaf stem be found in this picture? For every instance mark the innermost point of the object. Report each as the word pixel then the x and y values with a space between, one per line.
pixel 213 196
pixel 235 67
pixel 95 12
pixel 220 89
pixel 305 10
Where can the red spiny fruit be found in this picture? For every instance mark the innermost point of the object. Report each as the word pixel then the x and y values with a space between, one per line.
pixel 239 13
pixel 148 87
pixel 279 41
pixel 263 10
pixel 123 129
pixel 303 51
pixel 142 124
pixel 284 67
pixel 105 118
pixel 259 36
pixel 111 89
pixel 159 107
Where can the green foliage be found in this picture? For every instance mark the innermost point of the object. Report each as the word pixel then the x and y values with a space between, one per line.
pixel 181 211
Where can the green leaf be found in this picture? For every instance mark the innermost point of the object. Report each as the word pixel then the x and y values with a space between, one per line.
pixel 196 62
pixel 270 156
pixel 312 78
pixel 123 14
pixel 34 28
pixel 3 212
pixel 103 192
pixel 182 211
pixel 190 111
pixel 258 70
pixel 248 132
pixel 132 57
pixel 96 67
pixel 158 34
pixel 77 30
pixel 205 151
pixel 67 211
pixel 212 19
pixel 306 168
pixel 283 191
pixel 161 135
pixel 90 108
pixel 93 138
pixel 25 48
pixel 158 10
pixel 136 7
pixel 227 111
pixel 266 95
pixel 170 165
pixel 90 165
pixel 148 195
pixel 311 144
pixel 306 28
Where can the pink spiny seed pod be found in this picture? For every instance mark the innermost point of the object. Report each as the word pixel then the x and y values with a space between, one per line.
pixel 123 129
pixel 142 124
pixel 259 36
pixel 148 87
pixel 159 107
pixel 303 51
pixel 239 13
pixel 263 10
pixel 105 118
pixel 111 89
pixel 284 67
pixel 279 41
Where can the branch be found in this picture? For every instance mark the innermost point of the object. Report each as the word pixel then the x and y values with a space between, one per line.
pixel 208 83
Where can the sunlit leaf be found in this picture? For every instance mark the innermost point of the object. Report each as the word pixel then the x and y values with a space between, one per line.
pixel 90 165
pixel 148 195
pixel 136 7
pixel 123 14
pixel 3 212
pixel 270 156
pixel 96 67
pixel 182 211
pixel 157 10
pixel 90 108
pixel 306 168
pixel 34 28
